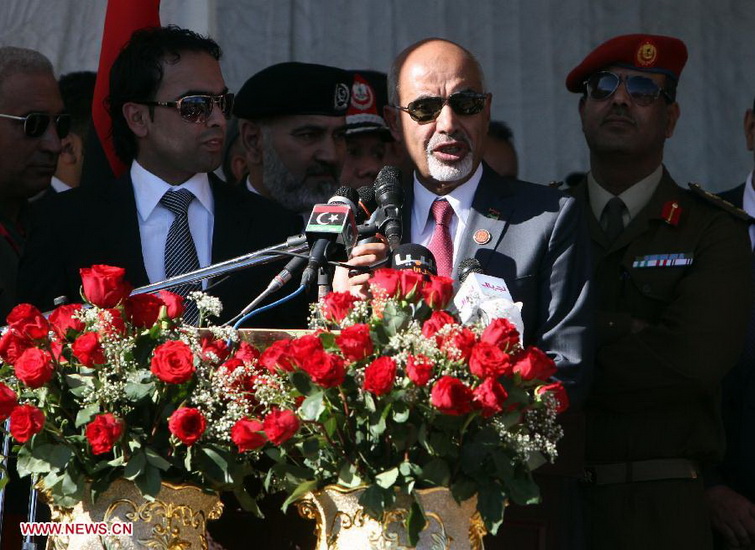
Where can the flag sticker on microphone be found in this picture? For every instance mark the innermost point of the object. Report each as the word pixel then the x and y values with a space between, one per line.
pixel 328 218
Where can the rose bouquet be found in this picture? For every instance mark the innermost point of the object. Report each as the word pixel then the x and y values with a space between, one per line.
pixel 402 397
pixel 120 389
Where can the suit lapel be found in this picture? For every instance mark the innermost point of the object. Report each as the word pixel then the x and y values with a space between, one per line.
pixel 229 223
pixel 124 235
pixel 491 212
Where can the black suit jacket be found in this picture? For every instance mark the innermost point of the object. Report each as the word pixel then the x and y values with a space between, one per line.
pixel 539 247
pixel 98 225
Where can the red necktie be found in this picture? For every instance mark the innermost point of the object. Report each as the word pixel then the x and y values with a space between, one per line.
pixel 441 243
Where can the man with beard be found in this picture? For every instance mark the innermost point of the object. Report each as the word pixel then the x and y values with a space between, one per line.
pixel 529 235
pixel 291 123
pixel 168 214
pixel 672 276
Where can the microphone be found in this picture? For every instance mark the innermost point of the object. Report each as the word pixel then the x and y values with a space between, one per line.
pixel 390 198
pixel 484 297
pixel 331 232
pixel 415 257
pixel 367 202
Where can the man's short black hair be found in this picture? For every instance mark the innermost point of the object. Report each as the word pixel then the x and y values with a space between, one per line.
pixel 138 71
pixel 77 91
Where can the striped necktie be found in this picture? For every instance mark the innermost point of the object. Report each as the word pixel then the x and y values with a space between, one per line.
pixel 180 250
pixel 441 243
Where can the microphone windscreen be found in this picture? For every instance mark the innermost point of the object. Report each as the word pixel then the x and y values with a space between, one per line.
pixel 467 266
pixel 367 198
pixel 415 257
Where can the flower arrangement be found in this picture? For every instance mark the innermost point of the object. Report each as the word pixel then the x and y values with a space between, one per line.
pixel 401 397
pixel 122 389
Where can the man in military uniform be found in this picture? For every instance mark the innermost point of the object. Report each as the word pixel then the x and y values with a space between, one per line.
pixel 672 274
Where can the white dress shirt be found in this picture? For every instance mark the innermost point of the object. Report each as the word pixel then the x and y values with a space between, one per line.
pixel 460 200
pixel 155 220
pixel 59 185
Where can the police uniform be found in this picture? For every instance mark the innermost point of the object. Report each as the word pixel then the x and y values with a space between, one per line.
pixel 673 302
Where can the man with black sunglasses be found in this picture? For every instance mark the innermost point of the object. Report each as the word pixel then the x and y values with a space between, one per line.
pixel 529 235
pixel 168 214
pixel 672 274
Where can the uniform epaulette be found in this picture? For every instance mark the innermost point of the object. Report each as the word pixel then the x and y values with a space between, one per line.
pixel 723 204
pixel 555 184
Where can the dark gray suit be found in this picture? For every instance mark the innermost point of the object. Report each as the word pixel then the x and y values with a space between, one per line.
pixel 539 246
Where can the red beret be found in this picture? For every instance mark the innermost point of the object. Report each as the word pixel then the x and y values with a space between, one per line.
pixel 642 52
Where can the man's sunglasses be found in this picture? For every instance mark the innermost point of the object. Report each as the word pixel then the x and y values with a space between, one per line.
pixel 426 109
pixel 197 108
pixel 35 124
pixel 641 89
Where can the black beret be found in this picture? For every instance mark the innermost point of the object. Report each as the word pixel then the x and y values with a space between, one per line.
pixel 294 88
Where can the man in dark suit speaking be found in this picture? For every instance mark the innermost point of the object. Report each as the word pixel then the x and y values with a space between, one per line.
pixel 531 236
pixel 168 214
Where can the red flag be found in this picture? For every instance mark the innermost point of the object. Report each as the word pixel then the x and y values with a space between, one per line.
pixel 123 17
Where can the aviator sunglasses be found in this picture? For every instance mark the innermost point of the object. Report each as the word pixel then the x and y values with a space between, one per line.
pixel 35 124
pixel 196 108
pixel 426 109
pixel 641 89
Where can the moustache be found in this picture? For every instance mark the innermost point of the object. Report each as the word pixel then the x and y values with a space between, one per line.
pixel 322 169
pixel 441 139
pixel 620 111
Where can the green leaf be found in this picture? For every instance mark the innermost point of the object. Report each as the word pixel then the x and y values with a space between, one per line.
pixel 247 502
pixel 377 426
pixel 463 488
pixel 373 501
pixel 400 412
pixel 414 523
pixel 523 490
pixel 213 464
pixel 310 447
pixel 387 479
pixel 135 466
pixel 312 407
pixel 302 382
pixel 328 340
pixel 437 472
pixel 301 490
pixel 86 414
pixel 348 477
pixel 490 503
pixel 149 482
pixel 137 392
pixel 156 460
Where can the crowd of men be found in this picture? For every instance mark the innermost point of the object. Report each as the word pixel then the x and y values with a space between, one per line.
pixel 638 288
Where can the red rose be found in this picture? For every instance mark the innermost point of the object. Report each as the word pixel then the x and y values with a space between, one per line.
pixel 451 396
pixel 174 303
pixel 437 320
pixel 558 391
pixel 337 305
pixel 502 333
pixel 88 349
pixel 12 345
pixel 387 280
pixel 34 368
pixel 28 321
pixel 25 421
pixel 490 396
pixel 246 434
pixel 8 401
pixel 411 283
pixel 437 291
pixel 214 351
pixel 247 353
pixel 62 320
pixel 487 360
pixel 103 432
pixel 277 356
pixel 280 425
pixel 419 369
pixel 187 424
pixel 173 362
pixel 325 369
pixel 104 285
pixel 532 364
pixel 355 342
pixel 303 347
pixel 112 322
pixel 459 343
pixel 143 310
pixel 379 375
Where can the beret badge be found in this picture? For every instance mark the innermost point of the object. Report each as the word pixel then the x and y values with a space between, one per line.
pixel 341 97
pixel 647 53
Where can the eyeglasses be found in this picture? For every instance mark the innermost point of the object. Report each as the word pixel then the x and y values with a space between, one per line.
pixel 426 109
pixel 641 89
pixel 35 124
pixel 197 108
